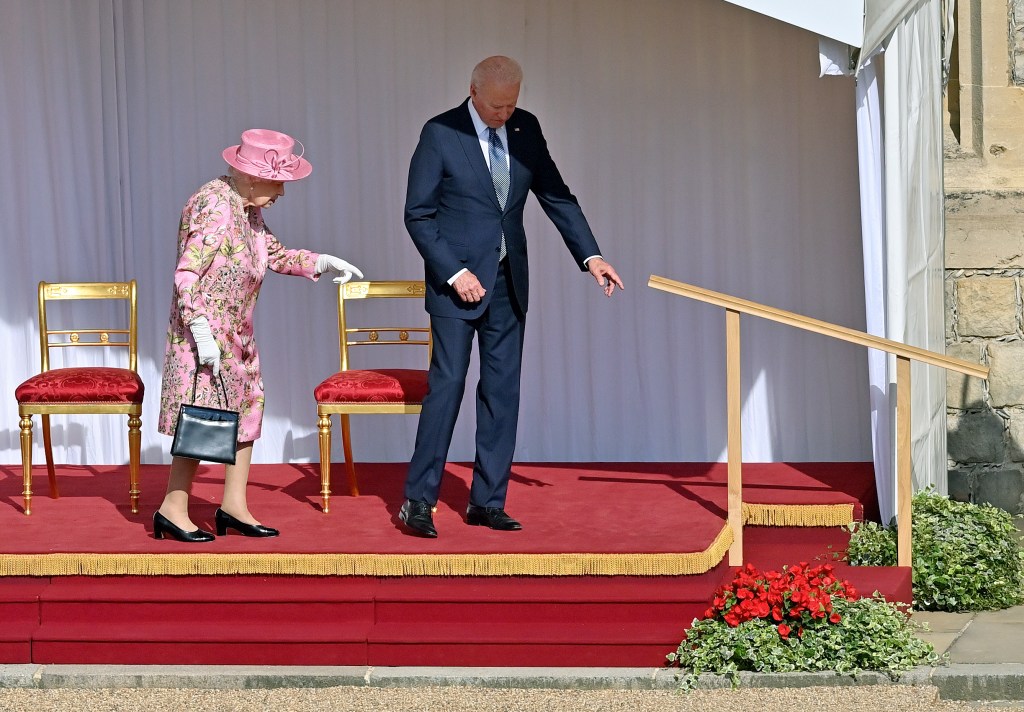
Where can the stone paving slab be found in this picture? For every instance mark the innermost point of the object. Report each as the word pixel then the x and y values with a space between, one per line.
pixel 19 675
pixel 955 682
pixel 205 677
pixel 990 642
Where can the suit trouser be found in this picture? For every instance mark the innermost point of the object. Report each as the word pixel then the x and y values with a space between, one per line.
pixel 499 332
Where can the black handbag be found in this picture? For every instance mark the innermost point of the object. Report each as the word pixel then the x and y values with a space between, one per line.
pixel 205 433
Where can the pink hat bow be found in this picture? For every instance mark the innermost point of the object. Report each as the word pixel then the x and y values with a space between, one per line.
pixel 268 154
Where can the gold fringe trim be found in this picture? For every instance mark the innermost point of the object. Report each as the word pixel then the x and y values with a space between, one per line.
pixel 369 564
pixel 798 515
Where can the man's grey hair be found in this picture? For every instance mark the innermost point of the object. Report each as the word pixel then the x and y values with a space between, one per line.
pixel 497 70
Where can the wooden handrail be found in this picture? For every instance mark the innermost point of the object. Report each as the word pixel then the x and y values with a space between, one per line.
pixel 817 326
pixel 734 306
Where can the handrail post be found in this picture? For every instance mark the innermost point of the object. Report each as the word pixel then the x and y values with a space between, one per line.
pixel 904 494
pixel 734 434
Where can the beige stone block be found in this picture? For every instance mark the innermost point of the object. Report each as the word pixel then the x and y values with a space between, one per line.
pixel 965 392
pixel 986 306
pixel 1003 109
pixel 976 173
pixel 1004 130
pixel 1006 374
pixel 988 244
pixel 989 36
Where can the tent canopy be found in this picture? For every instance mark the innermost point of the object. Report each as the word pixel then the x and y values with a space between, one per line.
pixel 859 23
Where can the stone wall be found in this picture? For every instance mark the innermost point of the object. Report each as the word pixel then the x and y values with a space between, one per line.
pixel 985 324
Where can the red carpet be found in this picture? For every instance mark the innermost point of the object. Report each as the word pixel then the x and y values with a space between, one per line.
pixel 579 518
pixel 618 621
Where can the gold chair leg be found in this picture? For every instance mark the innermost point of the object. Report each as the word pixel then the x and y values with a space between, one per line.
pixel 54 493
pixel 323 426
pixel 350 465
pixel 134 457
pixel 26 461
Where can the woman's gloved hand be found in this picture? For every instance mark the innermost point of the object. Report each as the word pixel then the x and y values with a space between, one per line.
pixel 330 263
pixel 209 352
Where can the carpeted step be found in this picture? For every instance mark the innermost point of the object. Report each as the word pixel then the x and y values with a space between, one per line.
pixel 775 547
pixel 529 643
pixel 589 621
pixel 207 600
pixel 311 642
pixel 19 611
pixel 335 621
pixel 205 620
pixel 549 600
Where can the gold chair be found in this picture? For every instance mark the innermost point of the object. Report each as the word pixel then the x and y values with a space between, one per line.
pixel 82 389
pixel 385 390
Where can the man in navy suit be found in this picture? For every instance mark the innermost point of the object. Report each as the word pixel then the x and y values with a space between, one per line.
pixel 468 181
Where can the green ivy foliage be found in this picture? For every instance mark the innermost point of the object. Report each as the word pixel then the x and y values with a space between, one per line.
pixel 870 635
pixel 966 557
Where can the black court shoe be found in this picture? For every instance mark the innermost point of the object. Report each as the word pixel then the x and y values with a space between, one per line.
pixel 225 521
pixel 162 525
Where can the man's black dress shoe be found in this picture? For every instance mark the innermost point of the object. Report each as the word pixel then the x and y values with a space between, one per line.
pixel 162 525
pixel 224 521
pixel 417 517
pixel 493 517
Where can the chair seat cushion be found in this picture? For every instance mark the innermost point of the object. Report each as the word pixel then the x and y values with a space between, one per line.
pixel 385 385
pixel 89 384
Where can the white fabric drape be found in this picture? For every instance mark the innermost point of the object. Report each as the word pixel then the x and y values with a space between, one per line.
pixel 872 217
pixel 902 222
pixel 697 136
pixel 916 87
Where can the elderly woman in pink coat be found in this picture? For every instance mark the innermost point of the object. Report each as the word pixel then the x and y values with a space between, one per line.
pixel 224 250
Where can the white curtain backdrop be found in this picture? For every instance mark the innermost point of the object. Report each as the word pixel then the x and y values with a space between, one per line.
pixel 900 132
pixel 880 373
pixel 913 138
pixel 697 135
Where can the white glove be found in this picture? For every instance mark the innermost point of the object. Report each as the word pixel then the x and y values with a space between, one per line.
pixel 329 263
pixel 209 352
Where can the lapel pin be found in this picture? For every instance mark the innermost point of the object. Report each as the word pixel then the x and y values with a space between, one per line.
pixel 516 129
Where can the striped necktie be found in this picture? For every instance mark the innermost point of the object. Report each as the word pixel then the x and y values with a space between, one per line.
pixel 499 175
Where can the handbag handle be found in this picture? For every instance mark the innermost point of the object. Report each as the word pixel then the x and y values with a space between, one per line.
pixel 220 376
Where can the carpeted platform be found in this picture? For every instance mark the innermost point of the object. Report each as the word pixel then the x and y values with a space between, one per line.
pixel 579 583
pixel 579 519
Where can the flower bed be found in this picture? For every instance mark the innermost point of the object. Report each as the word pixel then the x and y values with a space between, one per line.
pixel 804 619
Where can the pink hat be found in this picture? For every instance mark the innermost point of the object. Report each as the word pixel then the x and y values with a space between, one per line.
pixel 267 154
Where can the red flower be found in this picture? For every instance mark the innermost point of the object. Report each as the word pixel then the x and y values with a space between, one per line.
pixel 834 618
pixel 801 594
pixel 784 630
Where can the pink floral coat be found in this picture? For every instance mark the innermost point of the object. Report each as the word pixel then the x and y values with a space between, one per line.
pixel 224 251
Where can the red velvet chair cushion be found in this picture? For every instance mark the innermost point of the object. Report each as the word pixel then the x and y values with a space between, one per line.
pixel 91 384
pixel 386 385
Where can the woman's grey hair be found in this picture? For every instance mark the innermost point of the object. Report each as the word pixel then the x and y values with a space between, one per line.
pixel 497 70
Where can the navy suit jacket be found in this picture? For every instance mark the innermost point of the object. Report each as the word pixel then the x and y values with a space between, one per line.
pixel 453 216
